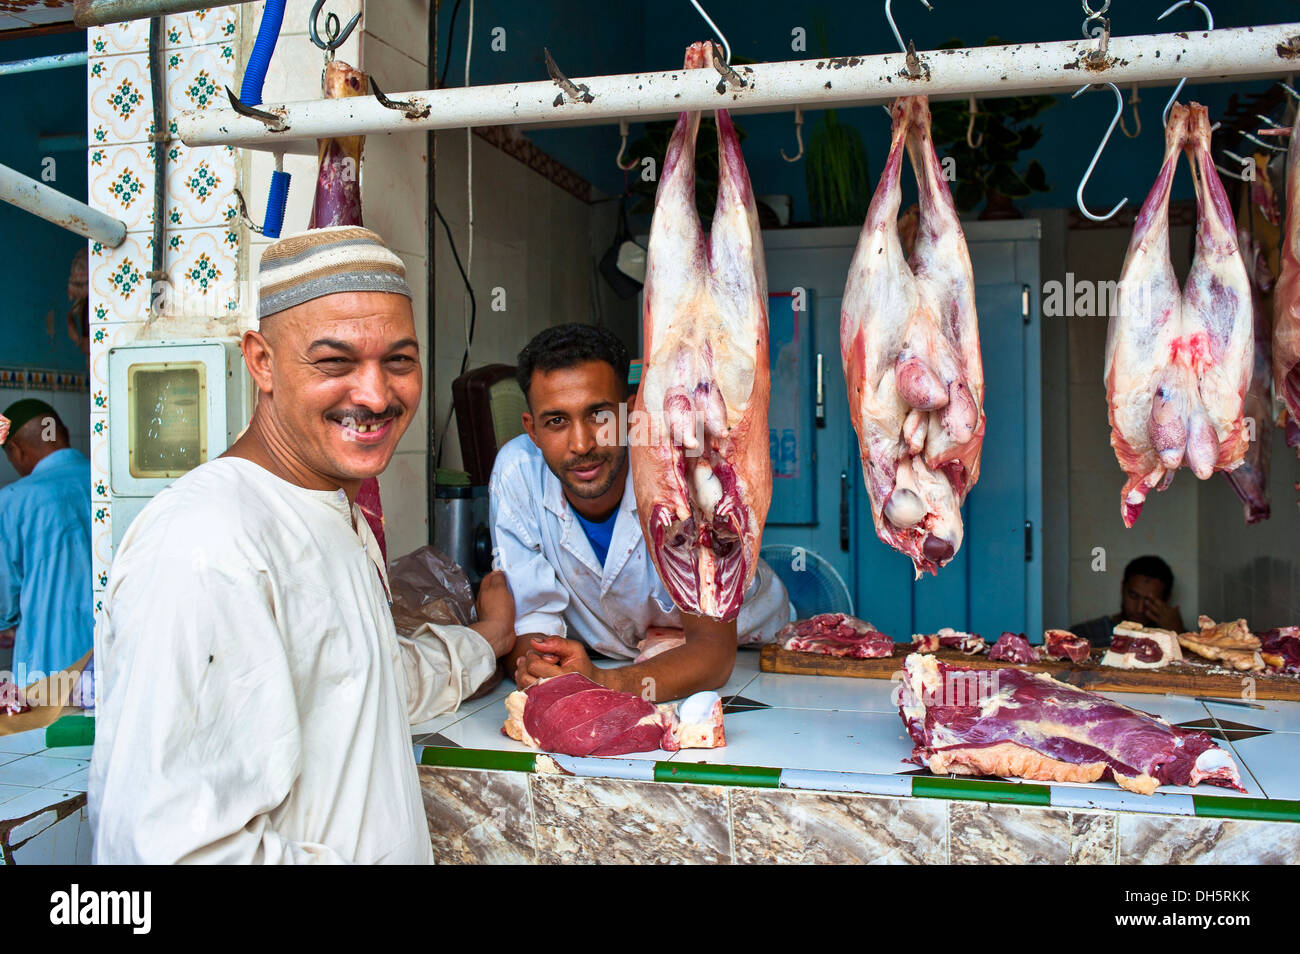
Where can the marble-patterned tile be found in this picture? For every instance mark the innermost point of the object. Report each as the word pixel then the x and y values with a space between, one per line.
pixel 1092 838
pixel 477 816
pixel 872 742
pixel 613 821
pixel 786 691
pixel 118 96
pixel 1167 840
pixel 783 827
pixel 981 833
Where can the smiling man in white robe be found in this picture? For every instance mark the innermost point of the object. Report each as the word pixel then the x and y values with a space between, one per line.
pixel 254 697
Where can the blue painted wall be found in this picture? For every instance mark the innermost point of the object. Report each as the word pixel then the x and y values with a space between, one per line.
pixel 35 256
pixel 629 37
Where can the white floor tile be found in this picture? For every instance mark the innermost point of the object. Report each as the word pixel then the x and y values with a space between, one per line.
pixel 1278 716
pixel 482 730
pixel 82 752
pixel 23 743
pixel 873 742
pixel 784 691
pixel 1274 760
pixel 38 770
pixel 1173 709
pixel 10 792
pixel 33 801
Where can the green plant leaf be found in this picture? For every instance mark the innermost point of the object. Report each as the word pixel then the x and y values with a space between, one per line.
pixel 1036 176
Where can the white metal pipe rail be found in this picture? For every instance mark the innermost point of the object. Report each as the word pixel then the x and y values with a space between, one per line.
pixel 88 13
pixel 39 63
pixel 1161 59
pixel 53 206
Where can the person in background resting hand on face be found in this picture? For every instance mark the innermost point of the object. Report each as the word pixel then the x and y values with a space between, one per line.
pixel 1144 599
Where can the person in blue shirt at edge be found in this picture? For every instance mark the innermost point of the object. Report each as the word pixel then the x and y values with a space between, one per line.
pixel 1144 599
pixel 45 587
pixel 566 533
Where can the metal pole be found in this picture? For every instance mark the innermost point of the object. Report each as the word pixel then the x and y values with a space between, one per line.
pixel 64 211
pixel 88 13
pixel 1162 59
pixel 38 63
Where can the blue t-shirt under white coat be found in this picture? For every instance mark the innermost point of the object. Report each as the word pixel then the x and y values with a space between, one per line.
pixel 598 534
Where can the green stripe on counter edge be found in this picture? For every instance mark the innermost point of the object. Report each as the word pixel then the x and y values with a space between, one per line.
pixel 1019 793
pixel 478 758
pixel 1255 809
pixel 750 776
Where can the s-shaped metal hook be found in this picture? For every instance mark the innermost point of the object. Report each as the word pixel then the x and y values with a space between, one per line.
pixel 1119 110
pixel 1209 17
pixel 334 38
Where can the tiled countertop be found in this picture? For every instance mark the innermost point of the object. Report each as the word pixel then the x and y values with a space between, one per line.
pixel 839 734
pixel 35 781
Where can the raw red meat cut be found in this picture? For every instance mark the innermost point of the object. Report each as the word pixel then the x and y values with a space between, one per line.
pixel 1013 648
pixel 972 644
pixel 12 698
pixel 701 469
pixel 1009 722
pixel 1178 363
pixel 909 342
pixel 835 634
pixel 1286 305
pixel 1250 480
pixel 1063 644
pixel 572 715
pixel 1281 648
pixel 1144 650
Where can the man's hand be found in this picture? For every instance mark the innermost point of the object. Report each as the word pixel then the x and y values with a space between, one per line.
pixel 549 656
pixel 1163 615
pixel 496 613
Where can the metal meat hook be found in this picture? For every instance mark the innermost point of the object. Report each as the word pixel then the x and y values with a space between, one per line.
pixel 334 38
pixel 1209 17
pixel 1119 110
pixel 914 68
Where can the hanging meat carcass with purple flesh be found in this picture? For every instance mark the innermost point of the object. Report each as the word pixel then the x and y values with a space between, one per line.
pixel 1286 306
pixel 909 340
pixel 1178 363
pixel 338 202
pixel 1250 480
pixel 701 469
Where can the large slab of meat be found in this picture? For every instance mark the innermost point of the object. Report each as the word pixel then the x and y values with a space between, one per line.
pixel 970 644
pixel 1012 723
pixel 909 342
pixel 571 715
pixel 1178 362
pixel 1250 480
pixel 701 469
pixel 835 634
pixel 1286 305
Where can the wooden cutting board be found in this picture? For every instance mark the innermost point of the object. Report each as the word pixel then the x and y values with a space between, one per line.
pixel 1183 679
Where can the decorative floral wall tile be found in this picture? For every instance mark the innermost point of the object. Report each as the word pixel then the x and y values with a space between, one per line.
pixel 200 188
pixel 99 448
pixel 115 38
pixel 214 25
pixel 121 183
pixel 101 529
pixel 201 80
pixel 119 98
pixel 119 283
pixel 205 270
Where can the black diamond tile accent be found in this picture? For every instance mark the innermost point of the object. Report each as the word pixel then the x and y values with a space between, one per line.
pixel 741 704
pixel 1235 731
pixel 438 740
pixel 1208 726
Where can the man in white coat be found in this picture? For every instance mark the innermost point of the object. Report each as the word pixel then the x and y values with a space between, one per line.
pixel 565 529
pixel 254 696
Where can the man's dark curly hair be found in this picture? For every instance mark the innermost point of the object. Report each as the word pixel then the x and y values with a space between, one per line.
pixel 565 346
pixel 1153 567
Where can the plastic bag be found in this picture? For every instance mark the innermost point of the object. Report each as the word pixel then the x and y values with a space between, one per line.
pixel 428 587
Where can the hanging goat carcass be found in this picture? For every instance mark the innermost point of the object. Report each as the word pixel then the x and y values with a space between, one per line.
pixel 702 473
pixel 909 340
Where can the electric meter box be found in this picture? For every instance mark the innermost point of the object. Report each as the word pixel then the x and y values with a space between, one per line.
pixel 173 405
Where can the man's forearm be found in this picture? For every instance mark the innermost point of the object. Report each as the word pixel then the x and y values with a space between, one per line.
pixel 698 665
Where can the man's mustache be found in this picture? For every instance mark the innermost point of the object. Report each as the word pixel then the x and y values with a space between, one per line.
pixel 363 416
